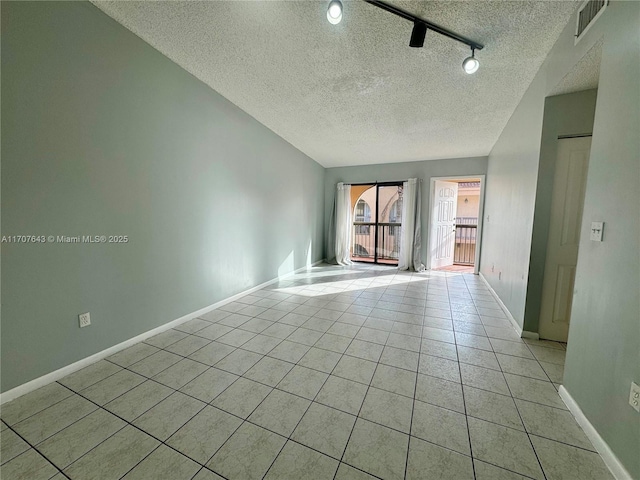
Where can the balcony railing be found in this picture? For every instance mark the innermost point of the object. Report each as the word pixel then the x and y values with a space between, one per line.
pixel 364 241
pixel 465 249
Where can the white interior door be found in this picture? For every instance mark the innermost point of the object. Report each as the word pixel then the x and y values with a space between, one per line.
pixel 443 223
pixel 567 202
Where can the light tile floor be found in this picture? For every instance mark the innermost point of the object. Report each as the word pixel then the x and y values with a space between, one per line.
pixel 337 373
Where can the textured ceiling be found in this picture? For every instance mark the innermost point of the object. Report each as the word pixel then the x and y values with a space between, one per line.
pixel 584 75
pixel 355 93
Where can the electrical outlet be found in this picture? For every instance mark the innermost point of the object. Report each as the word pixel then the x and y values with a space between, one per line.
pixel 596 231
pixel 634 397
pixel 84 319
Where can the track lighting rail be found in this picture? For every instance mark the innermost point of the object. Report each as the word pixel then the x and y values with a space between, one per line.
pixel 430 26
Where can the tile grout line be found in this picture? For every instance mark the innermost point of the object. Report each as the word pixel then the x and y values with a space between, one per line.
pixel 464 403
pixel 418 373
pixel 521 420
pixel 309 406
pixel 288 439
pixel 33 447
pixel 359 410
pixel 99 407
pixel 352 303
pixel 274 388
pixel 413 403
pixel 162 442
pixel 525 428
pixel 179 390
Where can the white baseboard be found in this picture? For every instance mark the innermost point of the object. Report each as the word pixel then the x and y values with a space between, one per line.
pixel 609 458
pixel 64 371
pixel 521 332
pixel 513 321
pixel 534 335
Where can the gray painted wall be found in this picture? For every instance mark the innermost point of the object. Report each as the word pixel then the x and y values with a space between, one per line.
pixel 102 134
pixel 570 114
pixel 402 171
pixel 604 339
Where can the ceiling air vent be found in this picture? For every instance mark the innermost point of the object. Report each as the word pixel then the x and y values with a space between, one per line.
pixel 588 14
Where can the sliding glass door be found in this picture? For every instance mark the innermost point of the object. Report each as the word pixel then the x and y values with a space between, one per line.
pixel 377 220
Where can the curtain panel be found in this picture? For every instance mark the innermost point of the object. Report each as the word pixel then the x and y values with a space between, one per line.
pixel 343 225
pixel 409 256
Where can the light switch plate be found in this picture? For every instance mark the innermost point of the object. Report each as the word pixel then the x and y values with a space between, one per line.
pixel 596 231
pixel 634 397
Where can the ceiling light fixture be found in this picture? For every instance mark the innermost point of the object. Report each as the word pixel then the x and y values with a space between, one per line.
pixel 420 27
pixel 417 35
pixel 471 64
pixel 334 12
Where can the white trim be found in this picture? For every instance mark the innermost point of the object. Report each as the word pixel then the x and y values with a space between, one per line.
pixel 513 321
pixel 527 334
pixel 476 266
pixel 610 460
pixel 64 371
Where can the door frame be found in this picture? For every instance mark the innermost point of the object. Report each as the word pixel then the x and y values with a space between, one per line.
pixel 430 202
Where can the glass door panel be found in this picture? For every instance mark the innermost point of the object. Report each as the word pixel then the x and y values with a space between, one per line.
pixel 363 199
pixel 377 221
pixel 389 223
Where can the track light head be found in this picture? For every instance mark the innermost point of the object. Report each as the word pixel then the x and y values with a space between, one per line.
pixel 471 64
pixel 417 35
pixel 334 12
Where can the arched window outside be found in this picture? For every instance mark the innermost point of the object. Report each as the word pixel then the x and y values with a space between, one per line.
pixel 395 212
pixel 363 212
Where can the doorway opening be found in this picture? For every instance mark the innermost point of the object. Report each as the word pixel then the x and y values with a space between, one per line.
pixel 377 222
pixel 456 221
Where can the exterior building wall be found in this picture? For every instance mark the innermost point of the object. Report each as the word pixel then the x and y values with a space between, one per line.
pixel 469 208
